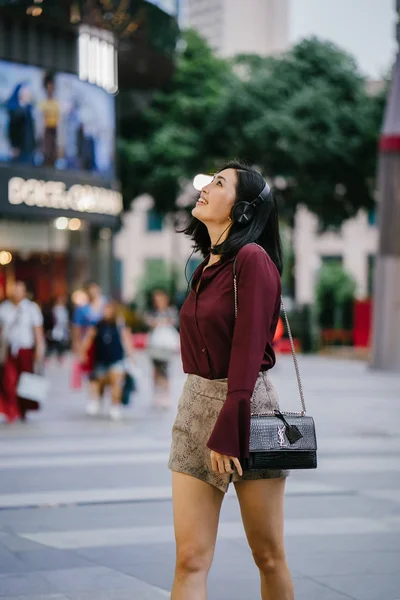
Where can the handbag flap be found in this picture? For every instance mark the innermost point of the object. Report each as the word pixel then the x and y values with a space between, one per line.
pixel 268 433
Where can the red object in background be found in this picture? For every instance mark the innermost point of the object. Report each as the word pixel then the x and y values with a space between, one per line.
pixel 10 405
pixel 2 286
pixel 362 323
pixel 46 274
pixel 283 346
pixel 280 330
pixel 76 375
pixel 88 365
pixel 140 340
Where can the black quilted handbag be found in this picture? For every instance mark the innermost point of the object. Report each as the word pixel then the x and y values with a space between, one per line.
pixel 281 440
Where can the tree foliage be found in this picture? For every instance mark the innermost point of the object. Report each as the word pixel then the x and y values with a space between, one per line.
pixel 335 293
pixel 305 118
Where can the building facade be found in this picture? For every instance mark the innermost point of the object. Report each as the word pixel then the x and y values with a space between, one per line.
pixel 260 27
pixel 61 65
pixel 353 246
pixel 149 247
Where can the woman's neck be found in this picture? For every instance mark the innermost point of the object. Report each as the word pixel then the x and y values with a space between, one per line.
pixel 218 234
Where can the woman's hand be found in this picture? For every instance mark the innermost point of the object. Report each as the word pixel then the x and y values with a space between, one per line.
pixel 221 463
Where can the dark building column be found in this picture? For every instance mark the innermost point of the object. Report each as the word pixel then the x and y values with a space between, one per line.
pixel 386 336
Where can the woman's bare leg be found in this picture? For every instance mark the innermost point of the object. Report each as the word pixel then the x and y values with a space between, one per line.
pixel 261 505
pixel 197 507
pixel 116 383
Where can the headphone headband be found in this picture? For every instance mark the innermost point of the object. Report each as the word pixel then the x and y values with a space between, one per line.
pixel 262 196
pixel 243 212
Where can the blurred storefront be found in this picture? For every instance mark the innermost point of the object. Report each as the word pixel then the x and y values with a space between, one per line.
pixel 61 66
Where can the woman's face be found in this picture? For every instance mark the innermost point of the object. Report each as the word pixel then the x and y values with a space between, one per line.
pixel 160 301
pixel 25 95
pixel 109 312
pixel 216 199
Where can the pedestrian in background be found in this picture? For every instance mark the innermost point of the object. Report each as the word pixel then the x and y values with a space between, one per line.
pixel 163 343
pixel 227 358
pixel 21 329
pixel 112 345
pixel 57 328
pixel 86 316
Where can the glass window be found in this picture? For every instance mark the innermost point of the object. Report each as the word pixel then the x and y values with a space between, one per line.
pixel 334 259
pixel 372 218
pixel 371 272
pixel 154 221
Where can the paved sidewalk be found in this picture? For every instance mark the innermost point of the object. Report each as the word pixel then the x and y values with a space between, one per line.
pixel 85 504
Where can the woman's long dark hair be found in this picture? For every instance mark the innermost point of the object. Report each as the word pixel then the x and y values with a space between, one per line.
pixel 263 229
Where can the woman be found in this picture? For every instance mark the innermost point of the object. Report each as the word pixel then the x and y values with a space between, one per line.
pixel 111 340
pixel 88 314
pixel 57 328
pixel 162 320
pixel 227 361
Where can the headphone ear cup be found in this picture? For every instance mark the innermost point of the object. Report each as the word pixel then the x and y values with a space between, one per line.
pixel 242 213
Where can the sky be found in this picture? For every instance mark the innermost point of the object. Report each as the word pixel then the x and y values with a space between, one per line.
pixel 365 28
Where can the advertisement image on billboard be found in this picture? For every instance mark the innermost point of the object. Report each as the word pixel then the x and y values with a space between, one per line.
pixel 55 120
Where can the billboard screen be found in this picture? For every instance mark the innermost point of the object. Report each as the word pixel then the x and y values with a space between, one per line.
pixel 55 120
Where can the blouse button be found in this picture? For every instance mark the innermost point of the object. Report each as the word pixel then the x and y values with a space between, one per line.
pixel 203 349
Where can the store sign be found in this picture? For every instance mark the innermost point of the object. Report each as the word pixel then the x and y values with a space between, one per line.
pixel 56 195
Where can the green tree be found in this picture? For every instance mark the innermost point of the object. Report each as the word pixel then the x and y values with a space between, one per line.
pixel 335 292
pixel 172 144
pixel 304 117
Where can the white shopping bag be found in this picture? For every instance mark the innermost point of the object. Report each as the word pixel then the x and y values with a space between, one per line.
pixel 32 387
pixel 163 342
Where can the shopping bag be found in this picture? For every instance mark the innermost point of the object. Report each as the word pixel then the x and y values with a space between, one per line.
pixel 134 371
pixel 32 387
pixel 163 342
pixel 128 389
pixel 76 375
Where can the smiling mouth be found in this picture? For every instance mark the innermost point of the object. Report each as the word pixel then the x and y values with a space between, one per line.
pixel 201 201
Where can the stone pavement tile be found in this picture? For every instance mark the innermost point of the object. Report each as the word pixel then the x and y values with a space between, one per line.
pixel 155 572
pixel 88 579
pixel 23 584
pixel 306 589
pixel 365 587
pixel 240 586
pixel 335 506
pixel 47 559
pixel 14 543
pixel 36 597
pixel 68 518
pixel 376 542
pixel 328 564
pixel 141 591
pixel 9 563
pixel 116 557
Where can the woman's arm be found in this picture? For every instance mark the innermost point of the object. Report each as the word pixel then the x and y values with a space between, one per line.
pixel 258 295
pixel 87 342
pixel 126 339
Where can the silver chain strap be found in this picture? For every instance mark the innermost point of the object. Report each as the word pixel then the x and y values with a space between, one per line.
pixel 296 365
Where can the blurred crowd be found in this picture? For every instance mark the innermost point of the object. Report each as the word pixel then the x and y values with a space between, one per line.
pixel 95 333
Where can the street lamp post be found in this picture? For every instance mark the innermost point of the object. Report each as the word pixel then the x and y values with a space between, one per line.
pixel 386 333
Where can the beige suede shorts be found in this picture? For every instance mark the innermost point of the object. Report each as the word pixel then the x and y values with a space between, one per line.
pixel 198 410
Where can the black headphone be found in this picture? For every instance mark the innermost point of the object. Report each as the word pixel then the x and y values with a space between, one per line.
pixel 243 212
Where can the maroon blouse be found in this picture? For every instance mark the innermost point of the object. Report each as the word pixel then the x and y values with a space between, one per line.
pixel 215 347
